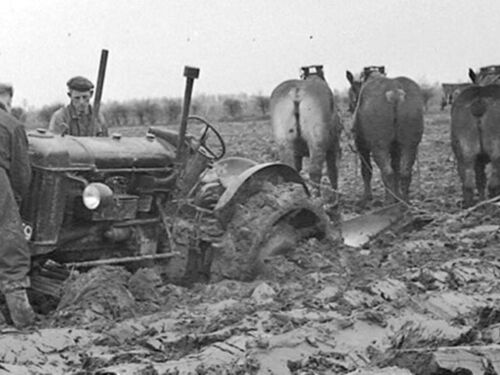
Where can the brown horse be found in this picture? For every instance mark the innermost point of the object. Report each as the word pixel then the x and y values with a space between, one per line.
pixel 388 125
pixel 306 123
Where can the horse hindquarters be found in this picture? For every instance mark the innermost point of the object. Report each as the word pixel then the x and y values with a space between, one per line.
pixel 301 113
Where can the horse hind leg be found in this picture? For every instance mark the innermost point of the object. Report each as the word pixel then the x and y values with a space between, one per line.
pixel 408 156
pixel 467 174
pixel 494 181
pixel 299 151
pixel 480 170
pixel 395 153
pixel 332 165
pixel 287 154
pixel 366 172
pixel 316 161
pixel 383 160
pixel 297 158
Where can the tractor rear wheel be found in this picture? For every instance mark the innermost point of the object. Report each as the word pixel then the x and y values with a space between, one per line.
pixel 268 223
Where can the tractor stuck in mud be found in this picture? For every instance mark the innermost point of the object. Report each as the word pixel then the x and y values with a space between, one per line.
pixel 166 198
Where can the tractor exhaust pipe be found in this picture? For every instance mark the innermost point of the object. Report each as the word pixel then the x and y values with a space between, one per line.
pixel 98 92
pixel 191 74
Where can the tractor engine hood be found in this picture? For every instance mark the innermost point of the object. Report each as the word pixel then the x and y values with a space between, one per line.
pixel 50 151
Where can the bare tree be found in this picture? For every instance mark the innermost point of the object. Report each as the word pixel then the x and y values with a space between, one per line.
pixel 173 109
pixel 262 103
pixel 45 113
pixel 427 94
pixel 153 112
pixel 145 111
pixel 196 107
pixel 233 107
pixel 117 114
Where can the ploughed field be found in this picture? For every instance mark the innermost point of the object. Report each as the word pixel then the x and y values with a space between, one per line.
pixel 421 298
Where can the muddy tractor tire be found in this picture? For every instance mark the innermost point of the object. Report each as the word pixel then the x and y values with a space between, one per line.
pixel 265 220
pixel 241 215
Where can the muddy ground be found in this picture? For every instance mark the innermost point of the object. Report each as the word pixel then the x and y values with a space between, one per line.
pixel 420 298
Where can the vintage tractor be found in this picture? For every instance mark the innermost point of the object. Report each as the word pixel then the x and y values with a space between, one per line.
pixel 166 198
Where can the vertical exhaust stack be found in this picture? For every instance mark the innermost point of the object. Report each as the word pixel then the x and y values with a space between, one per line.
pixel 98 91
pixel 191 74
pixel 190 167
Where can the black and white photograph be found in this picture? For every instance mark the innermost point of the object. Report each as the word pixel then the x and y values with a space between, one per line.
pixel 249 187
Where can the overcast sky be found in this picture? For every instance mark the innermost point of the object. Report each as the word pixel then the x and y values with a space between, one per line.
pixel 241 46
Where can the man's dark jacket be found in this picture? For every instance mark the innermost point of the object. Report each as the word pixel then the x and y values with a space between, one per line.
pixel 15 175
pixel 14 156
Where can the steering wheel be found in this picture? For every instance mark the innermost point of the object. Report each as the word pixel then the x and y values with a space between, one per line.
pixel 204 149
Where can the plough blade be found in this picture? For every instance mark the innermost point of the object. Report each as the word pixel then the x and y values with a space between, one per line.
pixel 358 231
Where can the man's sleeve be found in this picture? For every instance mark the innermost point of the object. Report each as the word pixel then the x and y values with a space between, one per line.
pixel 20 167
pixel 56 122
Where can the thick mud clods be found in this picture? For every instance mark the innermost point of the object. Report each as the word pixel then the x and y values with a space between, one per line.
pixel 421 298
pixel 108 294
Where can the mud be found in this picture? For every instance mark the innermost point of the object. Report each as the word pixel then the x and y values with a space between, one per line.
pixel 421 298
pixel 277 220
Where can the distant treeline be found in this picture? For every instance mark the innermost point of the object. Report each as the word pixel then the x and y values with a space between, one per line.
pixel 164 111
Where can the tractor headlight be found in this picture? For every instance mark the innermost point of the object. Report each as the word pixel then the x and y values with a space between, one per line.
pixel 95 194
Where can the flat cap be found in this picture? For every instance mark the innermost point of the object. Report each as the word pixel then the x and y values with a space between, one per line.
pixel 79 83
pixel 6 88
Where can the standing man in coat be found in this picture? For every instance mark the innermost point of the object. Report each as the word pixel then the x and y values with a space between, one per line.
pixel 76 118
pixel 15 177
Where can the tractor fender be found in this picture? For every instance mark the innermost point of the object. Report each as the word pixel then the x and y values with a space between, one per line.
pixel 250 181
pixel 227 169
